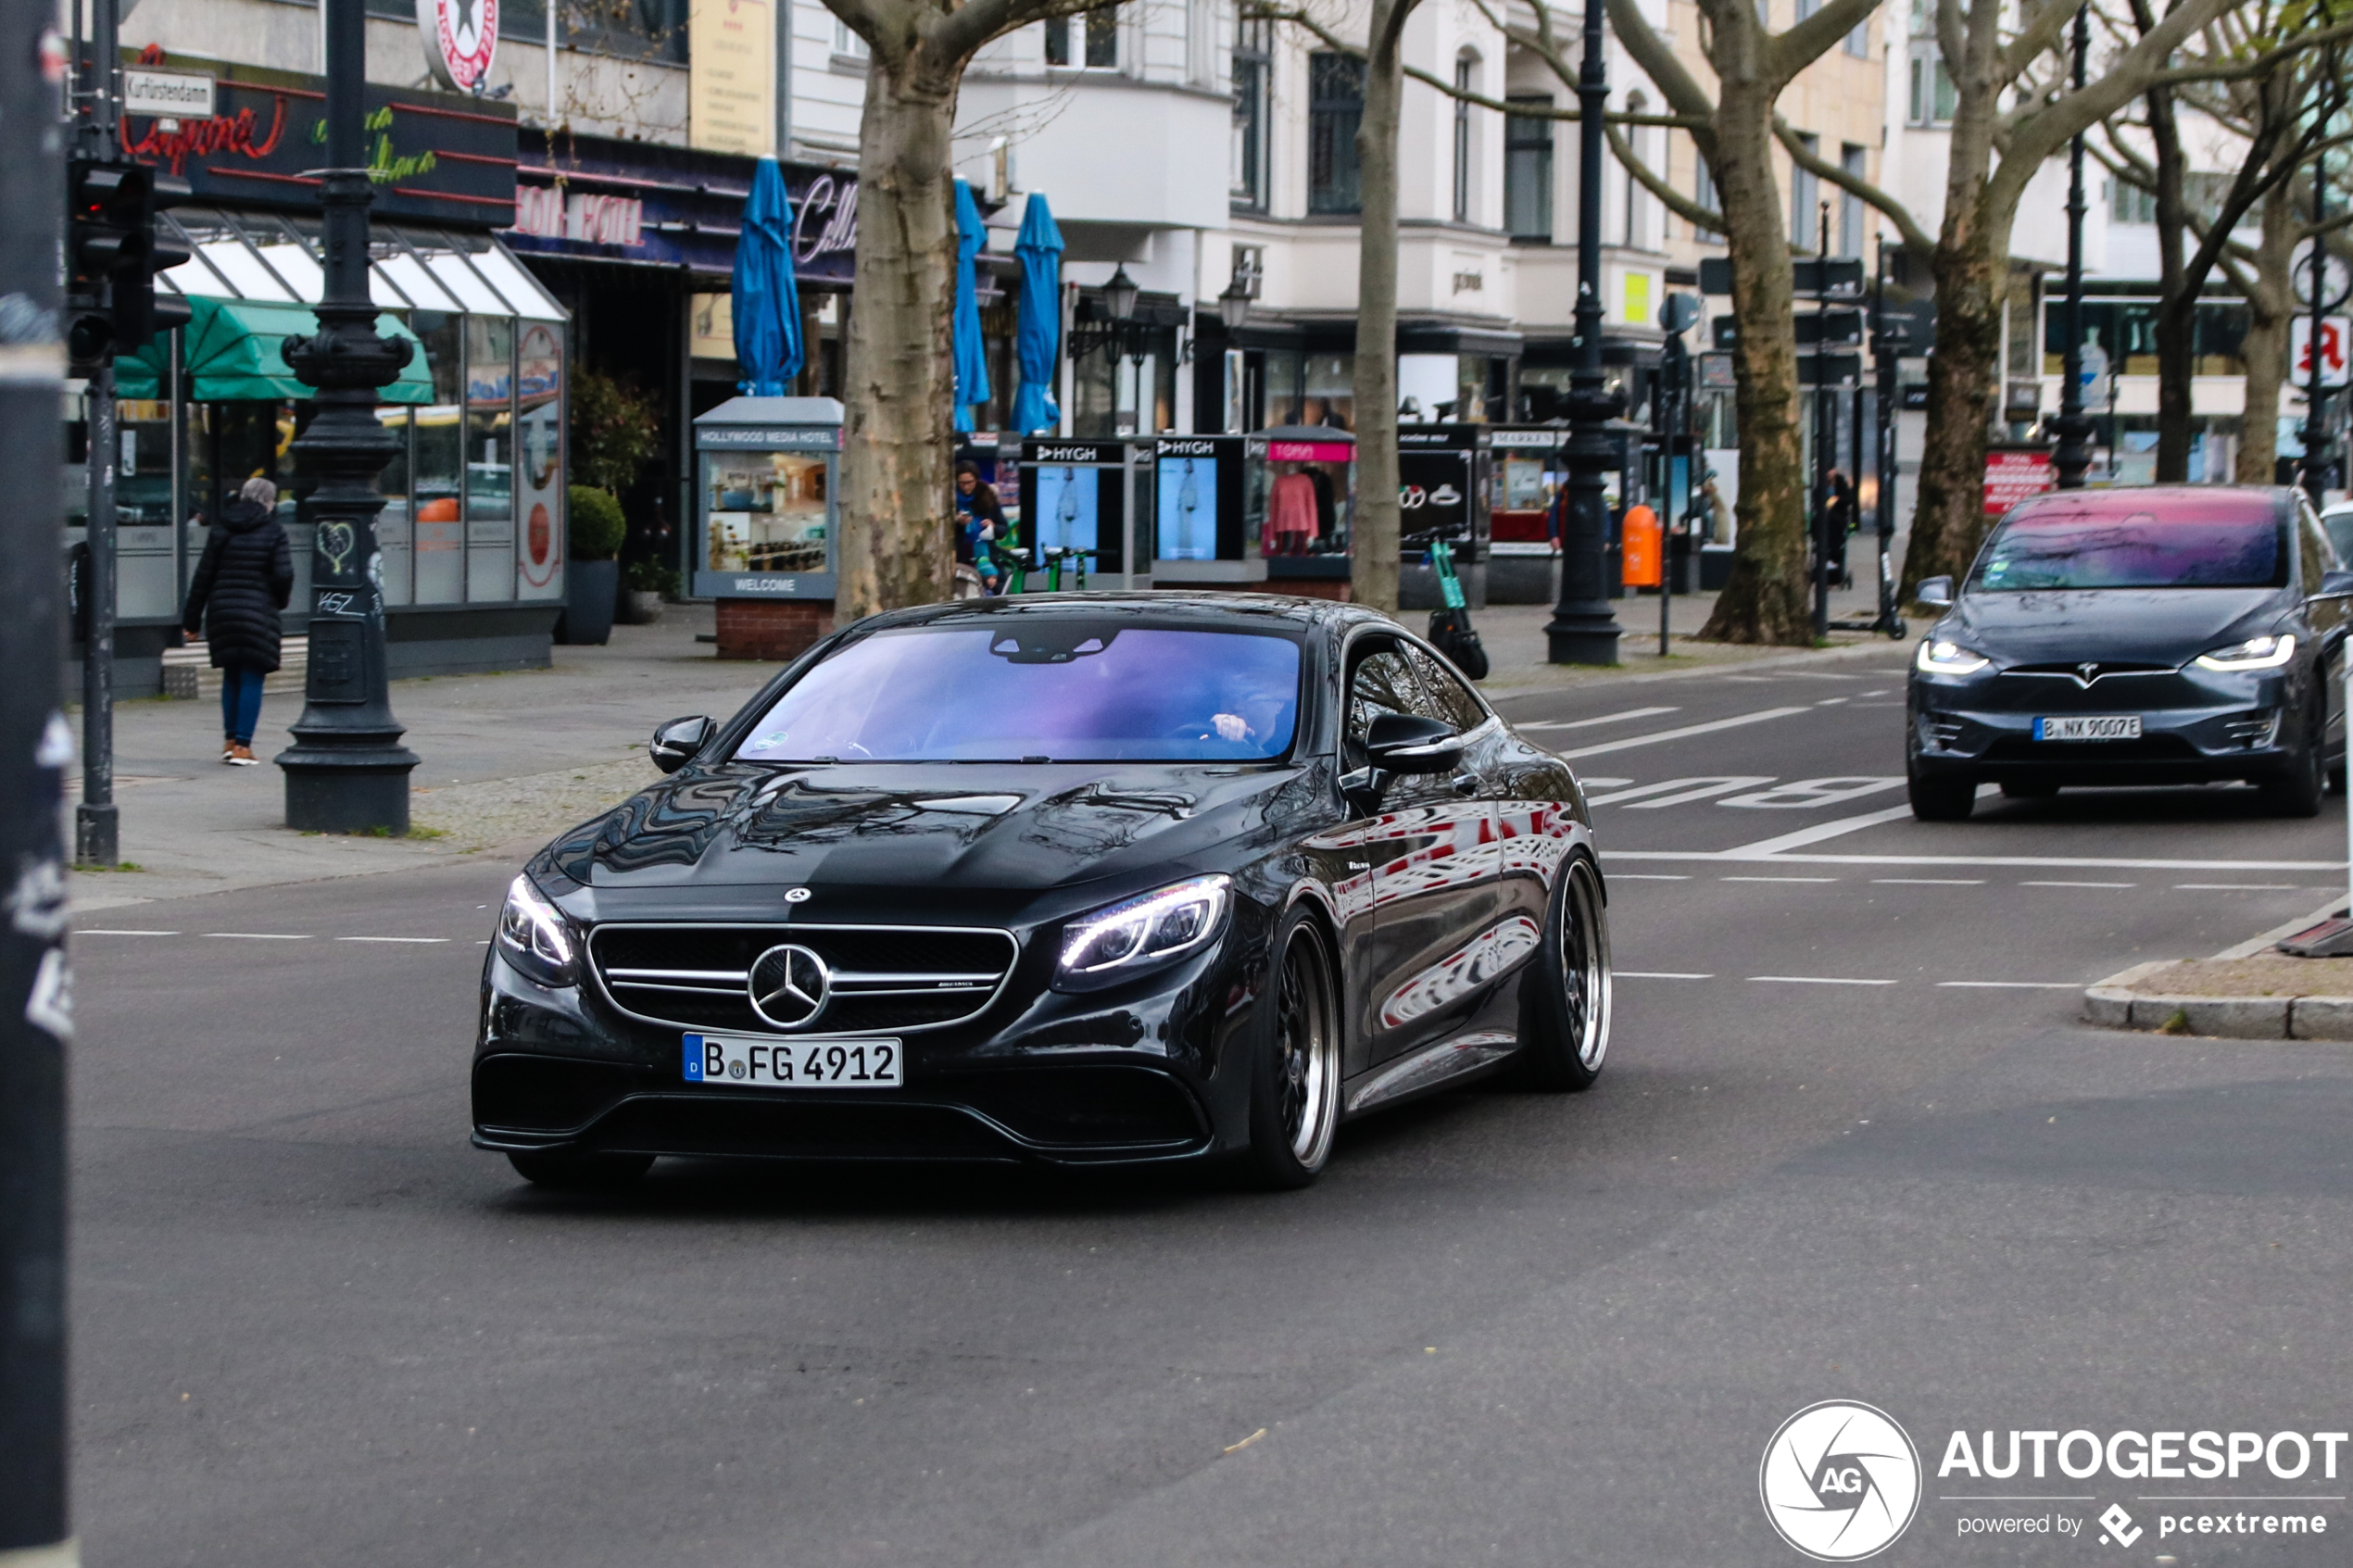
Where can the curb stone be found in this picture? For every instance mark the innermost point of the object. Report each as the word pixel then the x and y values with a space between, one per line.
pixel 2113 1004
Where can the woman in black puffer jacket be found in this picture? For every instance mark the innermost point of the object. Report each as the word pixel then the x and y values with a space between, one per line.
pixel 242 582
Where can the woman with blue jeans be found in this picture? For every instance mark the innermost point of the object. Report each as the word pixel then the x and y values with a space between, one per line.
pixel 242 585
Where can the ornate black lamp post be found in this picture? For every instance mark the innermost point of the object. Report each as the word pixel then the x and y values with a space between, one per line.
pixel 2074 426
pixel 1582 630
pixel 346 772
pixel 2318 450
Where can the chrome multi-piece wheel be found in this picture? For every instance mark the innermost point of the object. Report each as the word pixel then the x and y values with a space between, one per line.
pixel 1568 1006
pixel 1295 1098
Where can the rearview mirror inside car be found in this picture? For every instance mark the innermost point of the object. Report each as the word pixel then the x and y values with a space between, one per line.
pixel 1405 743
pixel 675 743
pixel 1935 593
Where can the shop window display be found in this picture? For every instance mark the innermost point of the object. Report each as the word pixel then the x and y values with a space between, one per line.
pixel 766 509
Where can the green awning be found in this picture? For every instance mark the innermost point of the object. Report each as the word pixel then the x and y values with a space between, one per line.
pixel 230 351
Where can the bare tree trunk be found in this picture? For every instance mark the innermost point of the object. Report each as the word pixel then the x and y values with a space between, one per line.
pixel 2177 314
pixel 1948 523
pixel 1765 600
pixel 895 547
pixel 2264 352
pixel 1373 567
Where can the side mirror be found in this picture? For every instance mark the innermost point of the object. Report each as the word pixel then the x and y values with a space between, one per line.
pixel 1934 592
pixel 1401 743
pixel 2335 584
pixel 675 743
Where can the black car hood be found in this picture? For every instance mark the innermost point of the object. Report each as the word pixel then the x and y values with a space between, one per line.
pixel 974 827
pixel 2153 625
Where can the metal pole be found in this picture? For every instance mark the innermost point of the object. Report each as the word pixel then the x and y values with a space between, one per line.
pixel 96 820
pixel 1583 630
pixel 2317 445
pixel 1884 422
pixel 2074 426
pixel 1821 435
pixel 1670 384
pixel 346 772
pixel 552 25
pixel 36 747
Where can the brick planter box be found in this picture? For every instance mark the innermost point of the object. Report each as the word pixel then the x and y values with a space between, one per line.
pixel 772 630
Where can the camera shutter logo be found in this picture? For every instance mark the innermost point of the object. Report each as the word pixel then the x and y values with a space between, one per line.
pixel 1841 1481
pixel 789 985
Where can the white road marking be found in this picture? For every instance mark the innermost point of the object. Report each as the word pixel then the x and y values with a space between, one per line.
pixel 1657 974
pixel 258 935
pixel 2079 884
pixel 1651 797
pixel 1809 795
pixel 1601 784
pixel 392 938
pixel 1881 691
pixel 1589 723
pixel 1647 876
pixel 2235 886
pixel 2085 863
pixel 1928 881
pixel 2010 984
pixel 1777 879
pixel 1830 702
pixel 102 931
pixel 1815 980
pixel 1834 828
pixel 1658 736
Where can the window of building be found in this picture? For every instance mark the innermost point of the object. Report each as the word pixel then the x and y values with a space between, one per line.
pixel 1335 106
pixel 846 43
pixel 2130 204
pixel 1858 40
pixel 1805 197
pixel 1807 7
pixel 1527 172
pixel 1093 41
pixel 1465 80
pixel 1252 51
pixel 1850 206
pixel 1931 97
pixel 1631 214
pixel 1703 193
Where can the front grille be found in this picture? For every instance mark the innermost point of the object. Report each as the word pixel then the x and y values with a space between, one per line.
pixel 2101 669
pixel 882 979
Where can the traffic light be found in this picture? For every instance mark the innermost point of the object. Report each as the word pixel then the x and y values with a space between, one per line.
pixel 143 312
pixel 112 256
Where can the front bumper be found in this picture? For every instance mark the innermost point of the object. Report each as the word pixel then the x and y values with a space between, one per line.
pixel 2194 729
pixel 1039 1077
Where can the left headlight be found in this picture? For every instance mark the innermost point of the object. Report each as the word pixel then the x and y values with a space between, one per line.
pixel 1940 657
pixel 1108 945
pixel 534 937
pixel 2255 653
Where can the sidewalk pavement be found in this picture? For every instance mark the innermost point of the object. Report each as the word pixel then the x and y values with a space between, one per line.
pixel 512 760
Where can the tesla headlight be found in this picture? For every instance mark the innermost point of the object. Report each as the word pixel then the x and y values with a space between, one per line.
pixel 2255 653
pixel 534 937
pixel 1940 657
pixel 1107 944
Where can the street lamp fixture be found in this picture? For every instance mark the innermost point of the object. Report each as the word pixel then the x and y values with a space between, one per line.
pixel 1233 306
pixel 1120 295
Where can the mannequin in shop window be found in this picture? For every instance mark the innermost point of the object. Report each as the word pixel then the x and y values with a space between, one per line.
pixel 1293 513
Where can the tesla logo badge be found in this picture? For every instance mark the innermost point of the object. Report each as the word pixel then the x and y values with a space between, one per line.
pixel 2087 674
pixel 789 985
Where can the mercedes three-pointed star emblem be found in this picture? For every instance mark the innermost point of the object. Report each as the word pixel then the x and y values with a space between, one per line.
pixel 789 985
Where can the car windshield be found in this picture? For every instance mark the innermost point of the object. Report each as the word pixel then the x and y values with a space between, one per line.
pixel 1044 689
pixel 2156 540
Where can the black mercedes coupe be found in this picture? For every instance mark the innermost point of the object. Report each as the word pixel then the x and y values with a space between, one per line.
pixel 2158 635
pixel 1088 878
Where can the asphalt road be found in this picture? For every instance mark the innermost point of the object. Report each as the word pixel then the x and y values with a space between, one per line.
pixel 1852 1144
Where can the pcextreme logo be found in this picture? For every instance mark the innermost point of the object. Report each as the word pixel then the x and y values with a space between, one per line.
pixel 1840 1481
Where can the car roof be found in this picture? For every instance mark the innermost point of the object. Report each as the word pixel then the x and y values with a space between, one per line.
pixel 1212 610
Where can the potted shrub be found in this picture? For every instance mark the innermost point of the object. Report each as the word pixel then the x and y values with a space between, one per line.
pixel 592 582
pixel 644 586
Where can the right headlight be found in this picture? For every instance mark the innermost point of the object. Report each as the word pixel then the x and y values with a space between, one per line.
pixel 534 937
pixel 2255 653
pixel 1105 946
pixel 1940 656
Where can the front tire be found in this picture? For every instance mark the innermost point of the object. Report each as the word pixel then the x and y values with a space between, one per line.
pixel 569 1171
pixel 1567 1009
pixel 1941 800
pixel 2298 792
pixel 1295 1086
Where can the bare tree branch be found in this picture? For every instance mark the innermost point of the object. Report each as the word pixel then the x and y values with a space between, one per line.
pixel 1916 238
pixel 1675 201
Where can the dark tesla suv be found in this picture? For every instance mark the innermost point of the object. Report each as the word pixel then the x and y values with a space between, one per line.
pixel 2163 635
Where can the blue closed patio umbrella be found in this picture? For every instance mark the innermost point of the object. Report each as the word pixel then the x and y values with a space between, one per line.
pixel 972 363
pixel 1037 332
pixel 766 301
